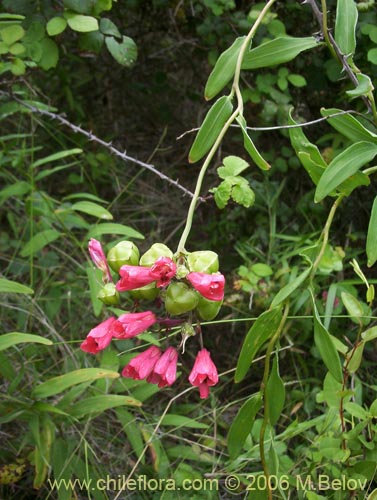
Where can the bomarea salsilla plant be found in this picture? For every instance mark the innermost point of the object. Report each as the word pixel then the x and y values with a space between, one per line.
pixel 188 286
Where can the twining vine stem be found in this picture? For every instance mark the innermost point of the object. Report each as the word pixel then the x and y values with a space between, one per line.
pixel 238 110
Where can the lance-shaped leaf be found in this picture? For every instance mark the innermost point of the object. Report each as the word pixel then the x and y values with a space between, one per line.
pixel 287 290
pixel 39 241
pixel 326 347
pixel 91 208
pixel 242 424
pixel 261 331
pixel 8 286
pixel 249 146
pixel 345 26
pixel 59 384
pixel 349 126
pixel 277 51
pixel 275 393
pixel 344 166
pixel 211 127
pixel 10 339
pixel 99 404
pixel 301 144
pixel 224 69
pixel 372 235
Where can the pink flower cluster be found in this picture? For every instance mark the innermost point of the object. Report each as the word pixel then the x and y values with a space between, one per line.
pixel 152 365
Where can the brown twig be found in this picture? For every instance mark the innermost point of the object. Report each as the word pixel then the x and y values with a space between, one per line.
pixel 92 137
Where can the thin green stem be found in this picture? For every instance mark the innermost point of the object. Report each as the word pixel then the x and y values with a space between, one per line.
pixel 325 234
pixel 238 111
pixel 266 412
pixel 325 29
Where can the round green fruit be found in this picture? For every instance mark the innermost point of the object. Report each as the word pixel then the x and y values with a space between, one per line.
pixel 180 299
pixel 156 250
pixel 208 309
pixel 109 295
pixel 203 261
pixel 147 292
pixel 123 253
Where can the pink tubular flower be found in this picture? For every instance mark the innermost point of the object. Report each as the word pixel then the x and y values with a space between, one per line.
pixel 210 286
pixel 99 337
pixel 204 373
pixel 163 271
pixel 130 324
pixel 98 257
pixel 142 365
pixel 165 370
pixel 133 277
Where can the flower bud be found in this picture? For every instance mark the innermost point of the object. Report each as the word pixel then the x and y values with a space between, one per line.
pixel 123 253
pixel 147 292
pixel 109 295
pixel 180 298
pixel 208 309
pixel 203 261
pixel 156 250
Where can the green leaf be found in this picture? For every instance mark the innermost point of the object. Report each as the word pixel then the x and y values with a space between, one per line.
pixel 288 289
pixel 353 306
pixel 261 331
pixel 371 246
pixel 56 156
pixel 182 421
pixel 10 339
pixel 222 193
pixel 124 52
pixel 369 334
pixel 344 166
pixel 17 189
pixel 301 144
pixel 277 51
pixel 12 34
pixel 56 25
pixel 275 393
pixel 107 27
pixel 56 385
pixel 325 346
pixel 211 127
pixel 356 410
pixel 233 165
pixel 80 23
pixel 113 228
pixel 372 57
pixel 81 6
pixel 243 194
pixel 99 404
pixel 364 87
pixel 8 286
pixel 132 430
pixel 297 80
pixel 95 285
pixel 250 147
pixel 39 241
pixel 345 26
pixel 18 67
pixel 354 358
pixel 349 126
pixel 91 208
pixel 224 69
pixel 50 54
pixel 242 424
pixel 314 170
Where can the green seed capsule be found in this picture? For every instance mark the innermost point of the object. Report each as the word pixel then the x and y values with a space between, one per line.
pixel 203 261
pixel 123 253
pixel 109 295
pixel 208 309
pixel 156 250
pixel 147 292
pixel 180 299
